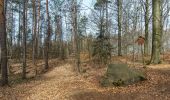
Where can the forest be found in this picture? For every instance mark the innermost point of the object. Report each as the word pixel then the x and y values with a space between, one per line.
pixel 84 49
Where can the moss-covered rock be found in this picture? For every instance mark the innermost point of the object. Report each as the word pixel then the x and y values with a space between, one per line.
pixel 121 74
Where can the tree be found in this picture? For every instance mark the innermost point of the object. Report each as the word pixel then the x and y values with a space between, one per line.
pixel 119 5
pixel 47 40
pixel 38 31
pixel 3 44
pixel 75 32
pixel 34 32
pixel 82 27
pixel 19 29
pixel 146 45
pixel 59 33
pixel 24 41
pixel 164 21
pixel 156 35
pixel 101 46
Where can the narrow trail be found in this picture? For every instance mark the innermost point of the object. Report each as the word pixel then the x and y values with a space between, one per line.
pixel 57 84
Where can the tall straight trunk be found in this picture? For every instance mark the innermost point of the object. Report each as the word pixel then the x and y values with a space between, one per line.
pixel 161 23
pixel 135 22
pixel 119 5
pixel 47 40
pixel 19 25
pixel 55 37
pixel 156 35
pixel 76 37
pixel 24 41
pixel 38 32
pixel 59 33
pixel 3 45
pixel 19 32
pixel 102 25
pixel 107 20
pixel 146 45
pixel 6 5
pixel 73 28
pixel 34 32
pixel 11 33
pixel 107 26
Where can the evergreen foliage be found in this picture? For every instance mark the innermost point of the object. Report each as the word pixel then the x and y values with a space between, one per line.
pixel 101 49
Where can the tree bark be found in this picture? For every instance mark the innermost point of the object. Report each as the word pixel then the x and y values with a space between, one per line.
pixel 24 42
pixel 3 44
pixel 47 40
pixel 156 35
pixel 59 33
pixel 76 37
pixel 146 45
pixel 19 27
pixel 119 5
pixel 38 32
pixel 34 32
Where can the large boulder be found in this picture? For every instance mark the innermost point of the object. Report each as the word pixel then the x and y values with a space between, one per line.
pixel 121 74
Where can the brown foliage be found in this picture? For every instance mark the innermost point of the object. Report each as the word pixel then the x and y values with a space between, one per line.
pixel 140 40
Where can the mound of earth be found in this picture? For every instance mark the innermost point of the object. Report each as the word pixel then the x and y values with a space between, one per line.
pixel 121 74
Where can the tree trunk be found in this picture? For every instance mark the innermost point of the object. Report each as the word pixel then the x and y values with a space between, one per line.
pixel 19 27
pixel 38 32
pixel 34 53
pixel 47 40
pixel 19 33
pixel 119 4
pixel 24 41
pixel 3 44
pixel 146 45
pixel 156 37
pixel 162 20
pixel 107 20
pixel 76 37
pixel 59 33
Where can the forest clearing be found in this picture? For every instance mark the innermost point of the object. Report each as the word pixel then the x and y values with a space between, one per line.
pixel 84 49
pixel 62 82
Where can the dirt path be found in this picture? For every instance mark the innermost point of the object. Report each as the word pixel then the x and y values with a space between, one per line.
pixel 62 83
pixel 56 84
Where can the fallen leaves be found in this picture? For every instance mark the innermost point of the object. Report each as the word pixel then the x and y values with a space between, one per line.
pixel 63 83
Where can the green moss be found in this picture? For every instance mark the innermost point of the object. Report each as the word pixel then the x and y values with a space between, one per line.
pixel 121 74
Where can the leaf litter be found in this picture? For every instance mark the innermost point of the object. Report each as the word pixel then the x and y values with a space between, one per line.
pixel 64 83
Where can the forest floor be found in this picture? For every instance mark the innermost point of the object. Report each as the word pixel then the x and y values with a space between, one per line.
pixel 62 82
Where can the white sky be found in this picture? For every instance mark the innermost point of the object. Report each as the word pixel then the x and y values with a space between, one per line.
pixel 86 4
